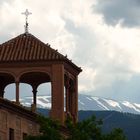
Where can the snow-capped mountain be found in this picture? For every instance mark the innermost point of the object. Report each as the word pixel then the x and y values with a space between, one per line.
pixel 87 102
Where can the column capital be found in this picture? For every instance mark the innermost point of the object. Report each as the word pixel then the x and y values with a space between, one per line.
pixel 17 82
pixel 34 91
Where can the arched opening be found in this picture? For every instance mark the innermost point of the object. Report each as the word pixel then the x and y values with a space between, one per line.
pixel 44 96
pixel 39 83
pixel 5 79
pixel 66 93
pixel 67 90
pixel 64 98
pixel 9 92
pixel 25 96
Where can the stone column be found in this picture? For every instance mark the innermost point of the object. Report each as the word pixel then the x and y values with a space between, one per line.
pixel 34 94
pixel 75 98
pixel 2 91
pixel 67 94
pixel 33 107
pixel 71 105
pixel 17 92
pixel 67 99
pixel 57 111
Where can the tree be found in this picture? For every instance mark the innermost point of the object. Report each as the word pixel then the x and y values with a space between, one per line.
pixel 49 130
pixel 89 129
pixel 116 134
pixel 84 130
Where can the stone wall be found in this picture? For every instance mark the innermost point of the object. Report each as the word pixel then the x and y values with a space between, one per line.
pixel 20 125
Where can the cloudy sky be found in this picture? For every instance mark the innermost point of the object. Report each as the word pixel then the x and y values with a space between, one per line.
pixel 101 36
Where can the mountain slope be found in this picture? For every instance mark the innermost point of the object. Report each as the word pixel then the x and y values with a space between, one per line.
pixel 129 123
pixel 87 102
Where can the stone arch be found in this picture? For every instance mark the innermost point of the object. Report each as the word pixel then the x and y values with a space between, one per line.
pixel 34 78
pixel 34 71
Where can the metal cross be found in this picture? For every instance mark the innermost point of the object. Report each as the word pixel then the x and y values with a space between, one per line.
pixel 26 13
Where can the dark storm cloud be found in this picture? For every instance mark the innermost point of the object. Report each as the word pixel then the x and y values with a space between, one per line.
pixel 126 12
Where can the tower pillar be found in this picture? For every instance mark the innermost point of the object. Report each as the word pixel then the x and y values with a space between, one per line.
pixel 57 111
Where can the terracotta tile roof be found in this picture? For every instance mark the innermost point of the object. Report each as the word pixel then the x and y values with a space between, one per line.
pixel 27 47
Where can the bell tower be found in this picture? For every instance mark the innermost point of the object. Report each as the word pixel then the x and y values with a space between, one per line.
pixel 26 59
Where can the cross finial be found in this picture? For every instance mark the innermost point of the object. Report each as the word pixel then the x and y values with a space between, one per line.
pixel 26 13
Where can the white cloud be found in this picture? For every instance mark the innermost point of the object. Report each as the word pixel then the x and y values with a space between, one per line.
pixel 106 53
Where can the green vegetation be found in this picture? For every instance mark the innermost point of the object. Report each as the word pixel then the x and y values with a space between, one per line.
pixel 89 129
pixel 49 130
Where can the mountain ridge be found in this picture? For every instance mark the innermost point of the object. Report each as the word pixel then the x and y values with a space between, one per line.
pixel 88 102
